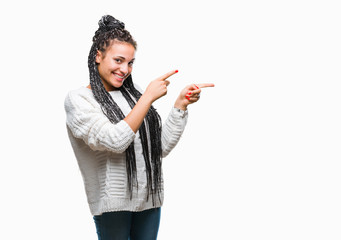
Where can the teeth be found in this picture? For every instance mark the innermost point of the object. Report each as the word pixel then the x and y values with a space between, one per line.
pixel 119 76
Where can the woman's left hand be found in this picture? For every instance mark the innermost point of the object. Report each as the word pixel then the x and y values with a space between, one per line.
pixel 190 94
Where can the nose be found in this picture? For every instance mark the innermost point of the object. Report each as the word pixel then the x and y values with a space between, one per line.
pixel 124 69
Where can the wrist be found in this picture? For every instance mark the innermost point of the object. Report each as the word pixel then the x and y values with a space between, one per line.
pixel 180 105
pixel 146 99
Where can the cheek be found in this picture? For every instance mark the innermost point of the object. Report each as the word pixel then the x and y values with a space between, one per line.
pixel 110 69
pixel 105 69
pixel 130 69
pixel 100 69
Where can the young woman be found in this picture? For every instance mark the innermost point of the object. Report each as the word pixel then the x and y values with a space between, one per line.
pixel 117 136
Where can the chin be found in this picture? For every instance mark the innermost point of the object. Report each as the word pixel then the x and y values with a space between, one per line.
pixel 117 84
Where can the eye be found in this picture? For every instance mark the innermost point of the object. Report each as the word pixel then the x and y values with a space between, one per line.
pixel 131 63
pixel 117 60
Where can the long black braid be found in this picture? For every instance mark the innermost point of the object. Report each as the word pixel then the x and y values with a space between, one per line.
pixel 110 29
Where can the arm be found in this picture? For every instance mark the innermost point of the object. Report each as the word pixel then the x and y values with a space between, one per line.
pixel 154 91
pixel 172 129
pixel 86 121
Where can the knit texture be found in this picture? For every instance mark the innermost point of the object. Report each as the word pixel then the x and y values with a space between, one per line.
pixel 100 145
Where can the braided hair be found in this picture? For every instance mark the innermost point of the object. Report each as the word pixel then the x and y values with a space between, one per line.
pixel 110 30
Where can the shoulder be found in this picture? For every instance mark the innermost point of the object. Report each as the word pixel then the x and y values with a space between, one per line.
pixel 78 98
pixel 82 92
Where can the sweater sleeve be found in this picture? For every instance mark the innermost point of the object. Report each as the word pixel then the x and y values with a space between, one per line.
pixel 172 129
pixel 86 120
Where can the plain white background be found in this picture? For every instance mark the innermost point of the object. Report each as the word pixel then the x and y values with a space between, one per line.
pixel 260 157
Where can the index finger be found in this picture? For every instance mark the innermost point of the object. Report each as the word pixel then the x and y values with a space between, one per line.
pixel 167 75
pixel 205 85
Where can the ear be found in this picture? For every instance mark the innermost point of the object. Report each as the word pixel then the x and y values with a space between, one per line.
pixel 99 57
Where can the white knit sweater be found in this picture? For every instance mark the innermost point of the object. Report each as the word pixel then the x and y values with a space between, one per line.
pixel 99 147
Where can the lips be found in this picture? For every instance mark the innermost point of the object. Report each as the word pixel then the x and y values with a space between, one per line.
pixel 119 77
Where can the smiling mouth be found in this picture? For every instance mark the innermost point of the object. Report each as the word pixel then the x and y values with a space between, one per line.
pixel 119 77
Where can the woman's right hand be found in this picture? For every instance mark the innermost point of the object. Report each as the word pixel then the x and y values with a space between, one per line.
pixel 158 88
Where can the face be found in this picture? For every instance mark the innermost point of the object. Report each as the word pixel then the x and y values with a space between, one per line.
pixel 116 64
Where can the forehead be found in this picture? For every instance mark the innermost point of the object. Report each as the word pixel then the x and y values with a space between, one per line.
pixel 121 49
